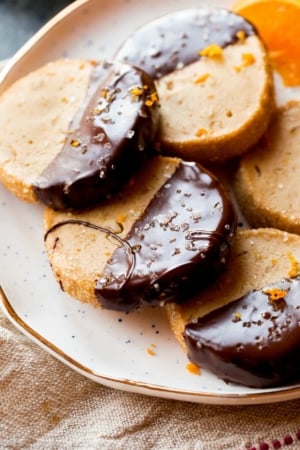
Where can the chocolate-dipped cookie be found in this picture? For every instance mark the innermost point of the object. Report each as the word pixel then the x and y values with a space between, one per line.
pixel 213 79
pixel 99 124
pixel 255 340
pixel 245 327
pixel 164 237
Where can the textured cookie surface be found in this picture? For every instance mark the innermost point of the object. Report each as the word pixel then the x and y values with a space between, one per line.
pixel 267 182
pixel 35 113
pixel 165 236
pixel 213 79
pixel 258 257
pixel 245 328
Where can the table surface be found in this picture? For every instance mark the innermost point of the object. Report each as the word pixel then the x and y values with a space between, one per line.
pixel 20 19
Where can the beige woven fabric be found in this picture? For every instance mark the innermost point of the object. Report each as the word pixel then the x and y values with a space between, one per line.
pixel 45 405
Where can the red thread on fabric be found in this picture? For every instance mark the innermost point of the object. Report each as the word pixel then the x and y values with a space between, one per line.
pixel 288 440
pixel 263 446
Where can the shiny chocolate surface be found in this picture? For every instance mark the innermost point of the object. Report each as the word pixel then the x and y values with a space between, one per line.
pixel 175 40
pixel 109 137
pixel 178 245
pixel 255 340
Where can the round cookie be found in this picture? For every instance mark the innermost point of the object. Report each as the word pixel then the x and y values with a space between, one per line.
pixel 266 184
pixel 213 79
pixel 166 235
pixel 77 155
pixel 35 113
pixel 245 327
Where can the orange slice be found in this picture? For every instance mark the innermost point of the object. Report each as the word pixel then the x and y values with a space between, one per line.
pixel 277 22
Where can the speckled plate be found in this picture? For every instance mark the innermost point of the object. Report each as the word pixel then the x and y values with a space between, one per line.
pixel 135 352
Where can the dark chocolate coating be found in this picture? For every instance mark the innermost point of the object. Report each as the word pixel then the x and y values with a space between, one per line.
pixel 254 341
pixel 110 136
pixel 177 247
pixel 174 40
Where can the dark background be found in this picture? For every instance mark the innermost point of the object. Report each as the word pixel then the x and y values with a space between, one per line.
pixel 20 19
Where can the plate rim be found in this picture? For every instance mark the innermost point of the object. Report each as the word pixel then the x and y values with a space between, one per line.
pixel 291 393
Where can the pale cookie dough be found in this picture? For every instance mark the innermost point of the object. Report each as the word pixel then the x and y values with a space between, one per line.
pixel 258 258
pixel 34 116
pixel 267 181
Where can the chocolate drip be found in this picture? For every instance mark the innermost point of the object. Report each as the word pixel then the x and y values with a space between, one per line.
pixel 109 137
pixel 175 40
pixel 254 341
pixel 180 244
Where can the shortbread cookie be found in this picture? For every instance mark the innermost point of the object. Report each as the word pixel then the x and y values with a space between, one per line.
pixel 82 143
pixel 35 113
pixel 245 328
pixel 267 179
pixel 213 79
pixel 165 236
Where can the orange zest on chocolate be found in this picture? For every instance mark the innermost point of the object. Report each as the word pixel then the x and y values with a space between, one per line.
pixel 136 92
pixel 75 143
pixel 151 99
pixel 241 35
pixel 212 51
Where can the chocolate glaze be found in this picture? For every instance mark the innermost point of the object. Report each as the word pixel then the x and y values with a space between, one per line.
pixel 110 136
pixel 254 341
pixel 177 247
pixel 174 40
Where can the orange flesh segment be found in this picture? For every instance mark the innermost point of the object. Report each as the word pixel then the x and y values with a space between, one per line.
pixel 274 20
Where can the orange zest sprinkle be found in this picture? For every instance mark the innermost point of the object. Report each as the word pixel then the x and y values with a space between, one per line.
pixel 150 350
pixel 247 60
pixel 202 78
pixel 104 93
pixel 136 92
pixel 241 35
pixel 295 267
pixel 212 51
pixel 151 99
pixel 193 368
pixel 201 132
pixel 75 143
pixel 275 294
pixel 121 217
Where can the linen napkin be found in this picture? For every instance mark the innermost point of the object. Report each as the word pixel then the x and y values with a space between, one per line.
pixel 46 405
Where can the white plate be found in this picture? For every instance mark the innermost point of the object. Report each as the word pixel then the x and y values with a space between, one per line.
pixel 110 348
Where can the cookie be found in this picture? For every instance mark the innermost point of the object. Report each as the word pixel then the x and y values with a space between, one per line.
pixel 99 141
pixel 164 236
pixel 266 184
pixel 245 327
pixel 213 78
pixel 35 113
